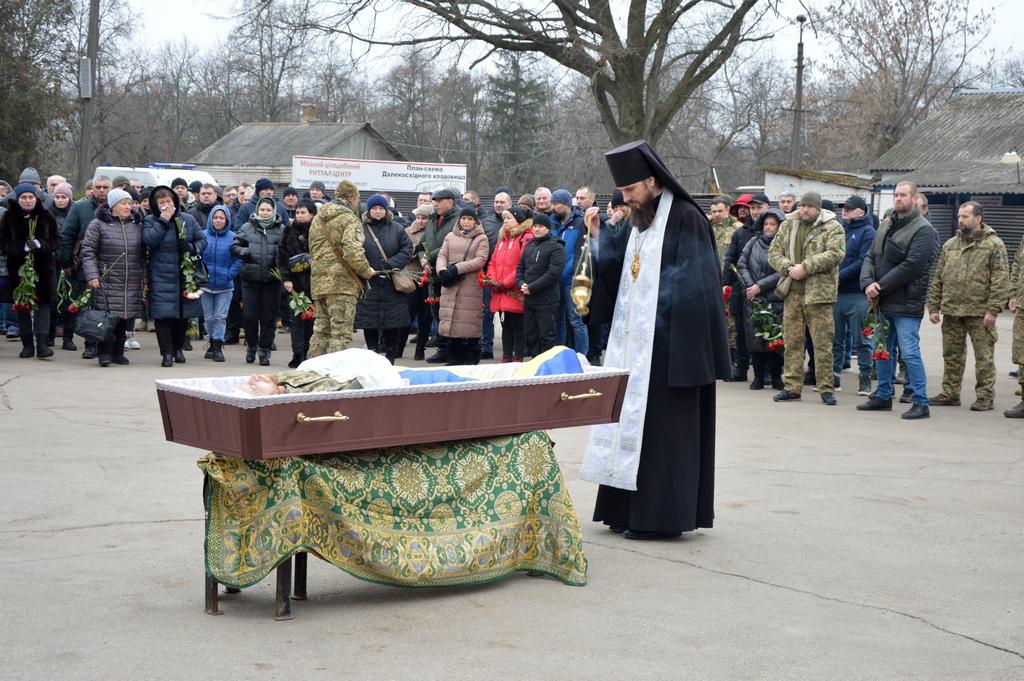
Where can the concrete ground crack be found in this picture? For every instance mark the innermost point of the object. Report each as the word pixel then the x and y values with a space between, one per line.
pixel 824 597
pixel 58 530
pixel 64 417
pixel 5 401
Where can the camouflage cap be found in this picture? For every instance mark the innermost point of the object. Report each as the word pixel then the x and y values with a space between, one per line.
pixel 346 190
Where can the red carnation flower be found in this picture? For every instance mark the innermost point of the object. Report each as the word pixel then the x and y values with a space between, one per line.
pixel 726 293
pixel 866 332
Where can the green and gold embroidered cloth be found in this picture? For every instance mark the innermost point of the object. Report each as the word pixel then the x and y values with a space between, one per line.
pixel 442 514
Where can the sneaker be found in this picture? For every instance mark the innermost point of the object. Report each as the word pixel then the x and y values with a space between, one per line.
pixel 918 411
pixel 132 344
pixel 875 404
pixel 944 400
pixel 982 404
pixel 829 399
pixel 864 387
pixel 13 334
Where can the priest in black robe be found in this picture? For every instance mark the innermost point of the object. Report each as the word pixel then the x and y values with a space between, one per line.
pixel 673 490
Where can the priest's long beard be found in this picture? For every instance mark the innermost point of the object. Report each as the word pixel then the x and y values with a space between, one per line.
pixel 642 216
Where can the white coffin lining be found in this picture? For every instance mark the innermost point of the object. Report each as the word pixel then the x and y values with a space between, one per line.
pixel 219 389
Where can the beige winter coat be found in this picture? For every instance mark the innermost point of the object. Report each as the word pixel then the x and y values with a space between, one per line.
pixel 462 303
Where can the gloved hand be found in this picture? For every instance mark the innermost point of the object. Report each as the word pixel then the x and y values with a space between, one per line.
pixel 449 275
pixel 183 247
pixel 32 245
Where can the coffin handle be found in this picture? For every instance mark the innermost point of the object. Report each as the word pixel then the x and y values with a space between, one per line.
pixel 336 416
pixel 584 396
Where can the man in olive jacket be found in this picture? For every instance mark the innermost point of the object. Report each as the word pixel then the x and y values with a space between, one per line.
pixel 970 288
pixel 1016 300
pixel 808 249
pixel 339 270
pixel 894 277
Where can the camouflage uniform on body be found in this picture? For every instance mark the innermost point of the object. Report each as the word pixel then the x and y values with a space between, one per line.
pixel 811 300
pixel 311 382
pixel 339 269
pixel 723 235
pixel 971 279
pixel 1017 292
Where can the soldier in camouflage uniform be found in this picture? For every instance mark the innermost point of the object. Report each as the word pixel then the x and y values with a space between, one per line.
pixel 1016 301
pixel 294 382
pixel 968 291
pixel 808 249
pixel 339 270
pixel 724 226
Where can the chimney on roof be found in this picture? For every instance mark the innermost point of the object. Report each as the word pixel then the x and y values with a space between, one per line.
pixel 308 113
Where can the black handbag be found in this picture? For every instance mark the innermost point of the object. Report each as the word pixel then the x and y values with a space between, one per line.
pixel 200 274
pixel 96 325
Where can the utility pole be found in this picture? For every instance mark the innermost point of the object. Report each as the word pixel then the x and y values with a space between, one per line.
pixel 87 85
pixel 795 149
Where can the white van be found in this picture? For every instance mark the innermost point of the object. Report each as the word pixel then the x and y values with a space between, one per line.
pixel 154 174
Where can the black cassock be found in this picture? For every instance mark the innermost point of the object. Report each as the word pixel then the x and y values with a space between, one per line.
pixel 676 478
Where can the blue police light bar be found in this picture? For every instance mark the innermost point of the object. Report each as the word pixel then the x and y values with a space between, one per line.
pixel 175 166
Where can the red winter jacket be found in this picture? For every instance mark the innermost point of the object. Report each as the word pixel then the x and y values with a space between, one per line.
pixel 502 269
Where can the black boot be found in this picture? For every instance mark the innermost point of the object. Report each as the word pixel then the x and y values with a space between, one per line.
pixel 264 358
pixel 209 351
pixel 43 349
pixel 167 361
pixel 472 354
pixel 28 348
pixel 179 357
pixel 188 344
pixel 456 352
pixel 69 344
pixel 250 354
pixel 217 348
pixel 296 360
pixel 442 356
pixel 117 355
pixel 757 360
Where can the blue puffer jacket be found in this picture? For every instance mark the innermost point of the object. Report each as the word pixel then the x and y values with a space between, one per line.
pixel 571 233
pixel 222 265
pixel 860 234
pixel 165 283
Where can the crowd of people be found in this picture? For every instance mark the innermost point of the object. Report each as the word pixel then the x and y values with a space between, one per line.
pixel 196 261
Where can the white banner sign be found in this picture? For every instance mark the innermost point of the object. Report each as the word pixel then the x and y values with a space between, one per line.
pixel 385 176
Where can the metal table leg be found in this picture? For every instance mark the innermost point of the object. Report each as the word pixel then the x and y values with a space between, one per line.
pixel 282 601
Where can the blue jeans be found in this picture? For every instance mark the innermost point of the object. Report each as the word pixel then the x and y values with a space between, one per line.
pixel 850 311
pixel 905 331
pixel 215 311
pixel 487 329
pixel 566 318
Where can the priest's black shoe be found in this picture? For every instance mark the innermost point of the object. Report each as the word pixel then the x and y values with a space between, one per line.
pixel 829 399
pixel 651 534
pixel 617 529
pixel 786 396
pixel 179 357
pixel 167 361
pixel 918 411
pixel 875 404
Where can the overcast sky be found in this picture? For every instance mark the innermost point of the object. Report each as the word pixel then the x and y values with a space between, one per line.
pixel 1007 18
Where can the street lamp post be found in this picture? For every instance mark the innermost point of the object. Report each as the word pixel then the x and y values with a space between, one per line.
pixel 1012 157
pixel 795 160
pixel 87 83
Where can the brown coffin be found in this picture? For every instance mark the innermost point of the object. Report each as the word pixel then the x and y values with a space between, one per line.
pixel 433 413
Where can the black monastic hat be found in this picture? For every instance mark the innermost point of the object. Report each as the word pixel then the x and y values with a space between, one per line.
pixel 636 161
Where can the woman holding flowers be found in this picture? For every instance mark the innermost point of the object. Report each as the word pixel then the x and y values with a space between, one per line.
pixel 29 237
pixel 507 301
pixel 113 264
pixel 174 240
pixel 293 263
pixel 762 307
pixel 383 313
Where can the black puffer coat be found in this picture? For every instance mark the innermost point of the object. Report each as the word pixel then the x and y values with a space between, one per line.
pixel 900 260
pixel 540 269
pixel 164 263
pixel 13 235
pixel 256 247
pixel 753 269
pixel 114 248
pixel 382 307
pixel 295 242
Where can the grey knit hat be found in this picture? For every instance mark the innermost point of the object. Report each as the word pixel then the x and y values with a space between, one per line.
pixel 811 199
pixel 30 175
